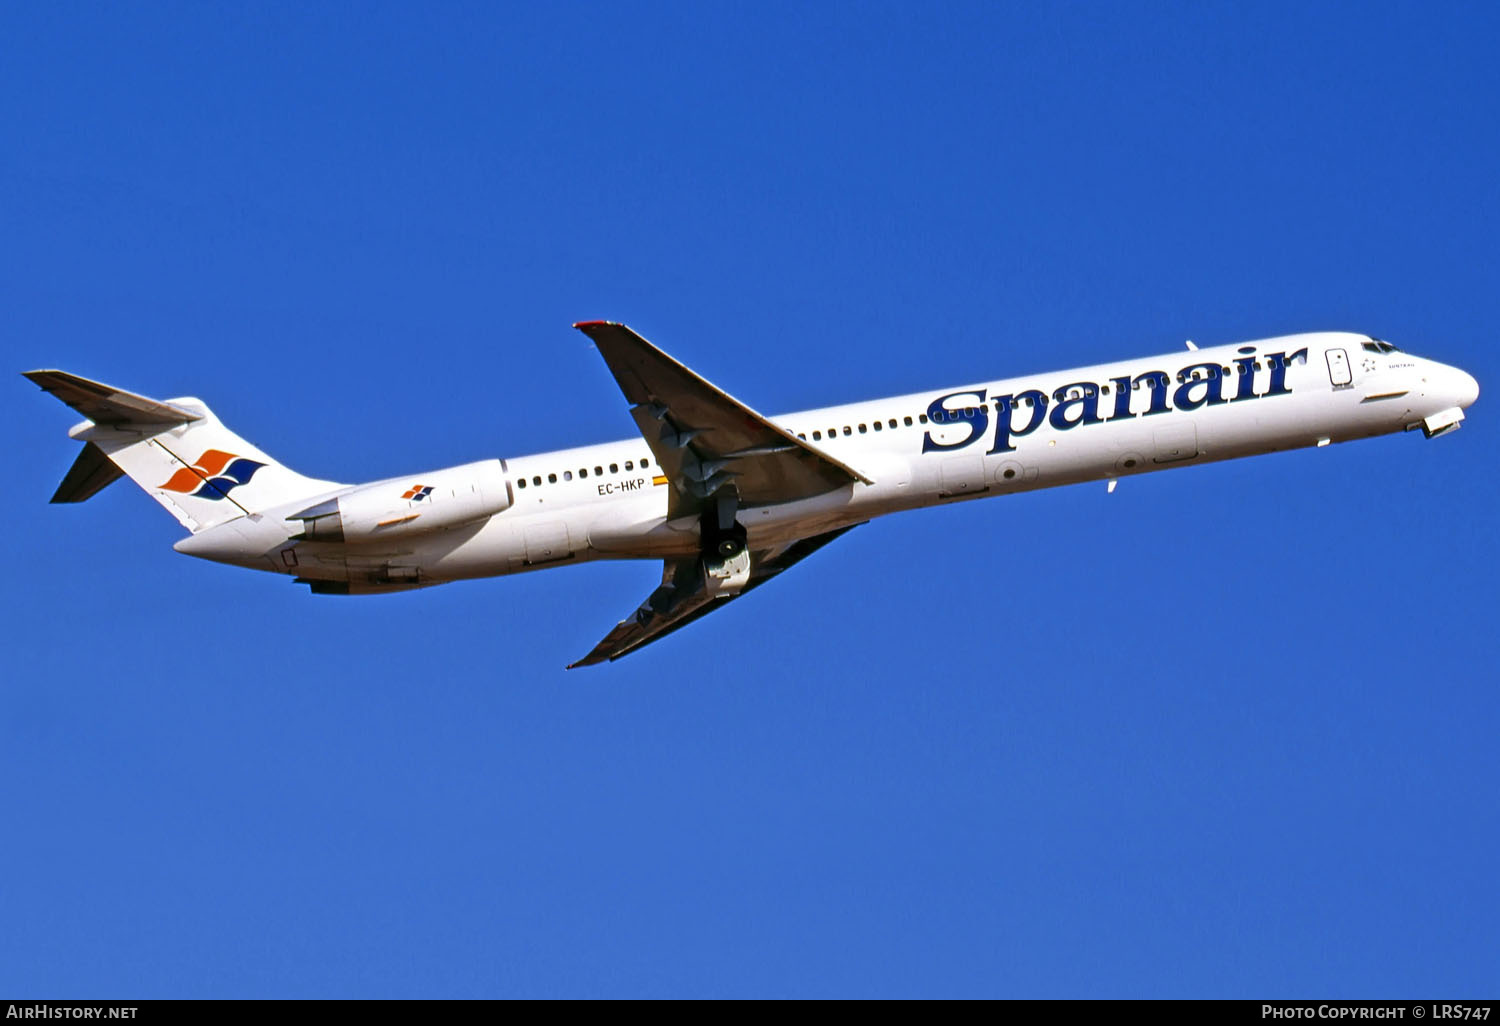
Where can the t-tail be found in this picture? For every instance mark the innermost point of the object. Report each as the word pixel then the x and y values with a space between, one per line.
pixel 176 450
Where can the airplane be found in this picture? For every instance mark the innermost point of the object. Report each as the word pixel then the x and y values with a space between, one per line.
pixel 725 497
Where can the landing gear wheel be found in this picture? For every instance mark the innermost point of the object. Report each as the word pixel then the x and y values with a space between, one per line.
pixel 726 576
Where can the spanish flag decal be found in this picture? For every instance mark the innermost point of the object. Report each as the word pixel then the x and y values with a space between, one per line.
pixel 659 479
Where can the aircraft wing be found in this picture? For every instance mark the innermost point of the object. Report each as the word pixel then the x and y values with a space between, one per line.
pixel 682 598
pixel 704 438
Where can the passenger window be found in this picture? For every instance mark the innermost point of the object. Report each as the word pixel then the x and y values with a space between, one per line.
pixel 567 475
pixel 614 468
pixel 877 425
pixel 893 423
pixel 552 479
pixel 908 421
pixel 521 483
pixel 583 471
pixel 922 417
pixel 848 430
pixel 537 480
pixel 817 436
pixel 630 464
pixel 598 471
pixel 645 464
pixel 862 429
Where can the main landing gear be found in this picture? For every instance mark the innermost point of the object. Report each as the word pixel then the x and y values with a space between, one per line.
pixel 726 557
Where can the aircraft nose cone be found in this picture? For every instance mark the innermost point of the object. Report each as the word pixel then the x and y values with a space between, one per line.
pixel 1468 388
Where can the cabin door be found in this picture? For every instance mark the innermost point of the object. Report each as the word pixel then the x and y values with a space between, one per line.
pixel 1338 368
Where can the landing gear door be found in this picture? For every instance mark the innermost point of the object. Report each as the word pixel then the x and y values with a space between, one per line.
pixel 962 474
pixel 1178 442
pixel 546 543
pixel 1338 368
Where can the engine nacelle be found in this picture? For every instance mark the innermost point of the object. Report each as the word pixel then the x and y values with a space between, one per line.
pixel 406 506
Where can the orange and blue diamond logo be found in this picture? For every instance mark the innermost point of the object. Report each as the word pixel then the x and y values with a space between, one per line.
pixel 213 476
pixel 416 493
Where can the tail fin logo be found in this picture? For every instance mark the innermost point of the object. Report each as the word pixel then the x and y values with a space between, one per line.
pixel 214 476
pixel 416 493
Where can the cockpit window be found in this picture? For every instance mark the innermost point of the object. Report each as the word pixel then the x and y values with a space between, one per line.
pixel 1375 345
pixel 1370 347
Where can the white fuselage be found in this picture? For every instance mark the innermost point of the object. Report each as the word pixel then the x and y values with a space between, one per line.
pixel 1096 423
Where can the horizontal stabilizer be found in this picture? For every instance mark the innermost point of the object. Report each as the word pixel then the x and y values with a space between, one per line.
pixel 107 405
pixel 91 471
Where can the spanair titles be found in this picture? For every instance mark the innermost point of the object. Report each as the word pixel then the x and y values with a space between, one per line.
pixel 1077 403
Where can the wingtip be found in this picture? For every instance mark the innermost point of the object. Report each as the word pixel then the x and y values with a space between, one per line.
pixel 585 325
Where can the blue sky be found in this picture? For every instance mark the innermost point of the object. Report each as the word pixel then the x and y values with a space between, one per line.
pixel 1227 732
